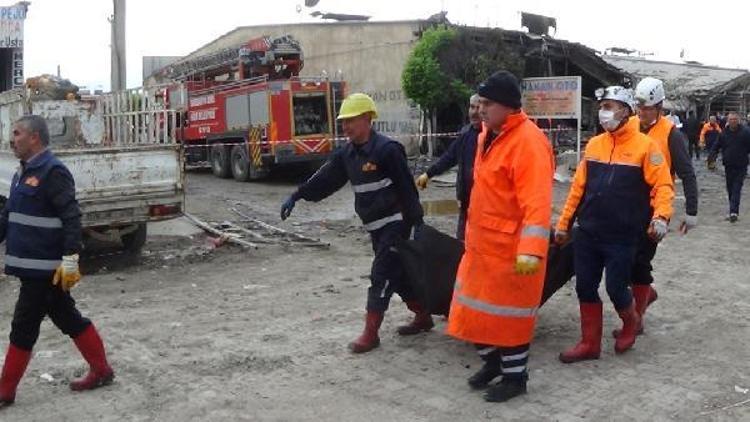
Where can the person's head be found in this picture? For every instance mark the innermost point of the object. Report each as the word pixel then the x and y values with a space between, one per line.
pixel 499 97
pixel 356 114
pixel 30 136
pixel 712 119
pixel 733 120
pixel 650 95
pixel 615 106
pixel 474 118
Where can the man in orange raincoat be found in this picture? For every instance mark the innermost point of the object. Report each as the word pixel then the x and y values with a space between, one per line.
pixel 501 275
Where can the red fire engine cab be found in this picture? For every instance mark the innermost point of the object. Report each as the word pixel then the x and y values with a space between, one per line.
pixel 245 109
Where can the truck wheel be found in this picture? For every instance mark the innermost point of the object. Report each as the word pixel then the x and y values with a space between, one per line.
pixel 134 241
pixel 242 169
pixel 220 161
pixel 240 164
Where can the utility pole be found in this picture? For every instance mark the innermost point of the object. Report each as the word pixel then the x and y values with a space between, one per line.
pixel 118 79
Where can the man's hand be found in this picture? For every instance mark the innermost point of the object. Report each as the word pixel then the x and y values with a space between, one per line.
pixel 657 229
pixel 711 163
pixel 688 223
pixel 422 181
pixel 561 237
pixel 287 207
pixel 67 274
pixel 527 264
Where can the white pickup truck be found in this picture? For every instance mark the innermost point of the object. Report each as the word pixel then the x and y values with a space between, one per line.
pixel 122 152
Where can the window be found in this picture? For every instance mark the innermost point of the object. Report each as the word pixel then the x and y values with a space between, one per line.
pixel 310 114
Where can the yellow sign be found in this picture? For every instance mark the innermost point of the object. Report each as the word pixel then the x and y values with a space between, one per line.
pixel 552 98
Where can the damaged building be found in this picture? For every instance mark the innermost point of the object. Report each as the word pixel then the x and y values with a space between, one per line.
pixel 693 86
pixel 370 57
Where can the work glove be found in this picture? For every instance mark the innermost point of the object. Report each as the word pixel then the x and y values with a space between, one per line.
pixel 527 264
pixel 67 274
pixel 711 164
pixel 561 237
pixel 422 181
pixel 657 229
pixel 287 207
pixel 688 223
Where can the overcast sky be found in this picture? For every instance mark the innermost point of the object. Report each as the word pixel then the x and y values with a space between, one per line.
pixel 76 35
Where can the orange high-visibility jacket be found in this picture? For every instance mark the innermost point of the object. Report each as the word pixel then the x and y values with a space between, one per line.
pixel 509 214
pixel 611 191
pixel 659 132
pixel 708 127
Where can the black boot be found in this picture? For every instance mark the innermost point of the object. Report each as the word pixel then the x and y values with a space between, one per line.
pixel 484 376
pixel 509 387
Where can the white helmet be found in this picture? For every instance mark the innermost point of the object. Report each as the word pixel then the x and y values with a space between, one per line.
pixel 617 93
pixel 650 92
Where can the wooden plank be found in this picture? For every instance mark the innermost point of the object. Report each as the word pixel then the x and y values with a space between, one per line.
pixel 205 226
pixel 310 241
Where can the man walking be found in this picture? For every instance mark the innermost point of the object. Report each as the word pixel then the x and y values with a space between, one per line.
pixel 41 224
pixel 386 200
pixel 650 96
pixel 611 197
pixel 691 128
pixel 734 145
pixel 501 275
pixel 461 152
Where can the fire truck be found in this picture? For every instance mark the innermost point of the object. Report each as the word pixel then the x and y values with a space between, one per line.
pixel 245 109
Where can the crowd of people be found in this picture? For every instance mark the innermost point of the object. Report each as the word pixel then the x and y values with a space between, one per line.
pixel 618 209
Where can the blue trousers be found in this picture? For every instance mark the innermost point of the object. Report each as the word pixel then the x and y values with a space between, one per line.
pixel 592 257
pixel 735 178
pixel 387 275
pixel 39 298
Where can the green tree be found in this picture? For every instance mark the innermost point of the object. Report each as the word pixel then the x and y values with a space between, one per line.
pixel 423 80
pixel 448 63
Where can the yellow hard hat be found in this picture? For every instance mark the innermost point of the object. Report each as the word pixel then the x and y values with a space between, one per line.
pixel 357 105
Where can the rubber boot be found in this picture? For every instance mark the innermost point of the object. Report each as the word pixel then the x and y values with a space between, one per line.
pixel 16 361
pixel 630 323
pixel 369 338
pixel 510 386
pixel 485 375
pixel 644 296
pixel 590 345
pixel 92 349
pixel 422 320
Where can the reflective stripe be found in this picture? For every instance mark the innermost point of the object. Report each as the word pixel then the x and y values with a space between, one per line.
pixel 385 288
pixel 519 356
pixel 514 370
pixel 370 187
pixel 535 231
pixel 486 351
pixel 30 220
pixel 510 311
pixel 32 264
pixel 374 225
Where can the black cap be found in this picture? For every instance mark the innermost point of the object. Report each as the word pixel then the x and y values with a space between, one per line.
pixel 502 87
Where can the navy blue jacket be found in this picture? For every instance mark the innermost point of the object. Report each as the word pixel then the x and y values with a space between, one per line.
pixel 41 220
pixel 384 190
pixel 734 146
pixel 462 152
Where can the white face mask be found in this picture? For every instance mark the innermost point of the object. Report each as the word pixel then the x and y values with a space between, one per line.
pixel 608 121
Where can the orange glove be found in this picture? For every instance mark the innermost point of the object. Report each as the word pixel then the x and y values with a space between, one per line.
pixel 68 273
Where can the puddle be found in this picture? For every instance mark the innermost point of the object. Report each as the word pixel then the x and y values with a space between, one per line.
pixel 440 207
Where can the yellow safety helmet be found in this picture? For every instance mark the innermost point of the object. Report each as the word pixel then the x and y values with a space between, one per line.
pixel 357 105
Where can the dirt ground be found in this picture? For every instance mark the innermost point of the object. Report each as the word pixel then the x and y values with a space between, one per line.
pixel 225 334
